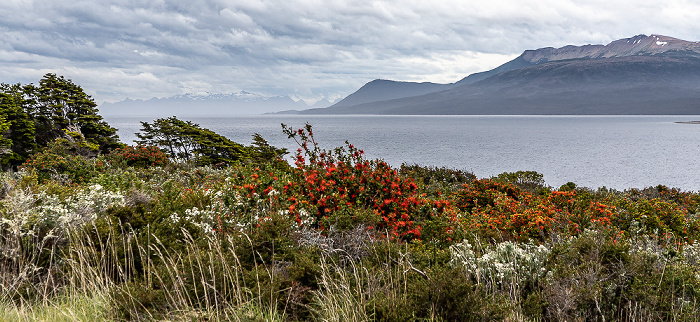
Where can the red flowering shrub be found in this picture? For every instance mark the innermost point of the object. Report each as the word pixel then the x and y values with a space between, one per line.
pixel 498 209
pixel 139 156
pixel 326 182
pixel 493 208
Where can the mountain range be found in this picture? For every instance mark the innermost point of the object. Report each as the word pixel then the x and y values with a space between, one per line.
pixel 205 104
pixel 638 75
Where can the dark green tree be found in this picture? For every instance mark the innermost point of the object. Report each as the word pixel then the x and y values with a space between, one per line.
pixel 167 134
pixel 212 148
pixel 187 141
pixel 19 132
pixel 58 104
pixel 263 152
pixel 5 143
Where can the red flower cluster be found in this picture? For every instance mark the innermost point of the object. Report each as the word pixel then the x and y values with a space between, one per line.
pixel 138 156
pixel 343 179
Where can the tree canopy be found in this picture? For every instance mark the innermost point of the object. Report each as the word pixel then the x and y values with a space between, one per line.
pixel 18 133
pixel 187 141
pixel 39 114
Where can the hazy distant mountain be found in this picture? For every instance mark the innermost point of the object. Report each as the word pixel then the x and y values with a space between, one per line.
pixel 203 104
pixel 322 103
pixel 382 90
pixel 639 75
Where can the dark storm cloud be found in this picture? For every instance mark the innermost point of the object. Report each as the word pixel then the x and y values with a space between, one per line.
pixel 311 49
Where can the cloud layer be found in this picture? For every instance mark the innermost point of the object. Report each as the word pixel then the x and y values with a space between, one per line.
pixel 309 49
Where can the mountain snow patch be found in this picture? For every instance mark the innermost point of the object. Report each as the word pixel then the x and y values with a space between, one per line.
pixel 661 43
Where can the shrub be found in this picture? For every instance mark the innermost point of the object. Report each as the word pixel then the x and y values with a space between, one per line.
pixel 137 156
pixel 513 271
pixel 645 281
pixel 527 180
pixel 58 163
pixel 333 180
pixel 435 179
pixel 448 295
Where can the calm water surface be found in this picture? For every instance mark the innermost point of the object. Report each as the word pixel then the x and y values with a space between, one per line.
pixel 614 151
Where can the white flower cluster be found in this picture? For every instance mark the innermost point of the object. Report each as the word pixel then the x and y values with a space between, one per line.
pixel 237 214
pixel 26 211
pixel 202 218
pixel 650 247
pixel 93 201
pixel 306 218
pixel 691 254
pixel 503 263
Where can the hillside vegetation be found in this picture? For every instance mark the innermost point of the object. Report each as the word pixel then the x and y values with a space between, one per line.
pixel 192 226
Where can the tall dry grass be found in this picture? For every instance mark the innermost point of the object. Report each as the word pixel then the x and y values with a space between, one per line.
pixel 93 278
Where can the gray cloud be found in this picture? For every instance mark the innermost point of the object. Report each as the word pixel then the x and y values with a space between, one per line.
pixel 310 49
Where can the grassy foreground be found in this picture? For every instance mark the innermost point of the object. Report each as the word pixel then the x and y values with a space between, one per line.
pixel 336 237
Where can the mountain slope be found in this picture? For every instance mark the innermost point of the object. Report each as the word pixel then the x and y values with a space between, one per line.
pixel 382 90
pixel 638 75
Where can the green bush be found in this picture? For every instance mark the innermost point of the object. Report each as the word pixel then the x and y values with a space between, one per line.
pixel 58 162
pixel 448 295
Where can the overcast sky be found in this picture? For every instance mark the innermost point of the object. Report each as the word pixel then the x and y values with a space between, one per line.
pixel 306 49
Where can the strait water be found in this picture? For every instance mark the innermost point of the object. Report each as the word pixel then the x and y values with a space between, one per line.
pixel 613 151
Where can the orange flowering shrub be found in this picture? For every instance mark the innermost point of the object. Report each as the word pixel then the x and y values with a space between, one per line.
pixel 141 156
pixel 497 209
pixel 341 188
pixel 325 182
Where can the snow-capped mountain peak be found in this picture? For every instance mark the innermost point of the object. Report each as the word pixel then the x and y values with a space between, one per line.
pixel 635 46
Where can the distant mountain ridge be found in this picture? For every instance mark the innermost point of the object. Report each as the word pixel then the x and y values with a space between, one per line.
pixel 638 75
pixel 635 46
pixel 198 104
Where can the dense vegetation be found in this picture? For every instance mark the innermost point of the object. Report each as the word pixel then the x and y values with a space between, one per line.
pixel 192 226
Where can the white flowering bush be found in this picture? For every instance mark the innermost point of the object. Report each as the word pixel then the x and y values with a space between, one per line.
pixel 34 225
pixel 650 248
pixel 502 265
pixel 27 212
pixel 201 218
pixel 90 202
pixel 691 254
pixel 227 208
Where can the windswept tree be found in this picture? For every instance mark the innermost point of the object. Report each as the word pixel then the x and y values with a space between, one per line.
pixel 263 152
pixel 166 134
pixel 56 105
pixel 187 141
